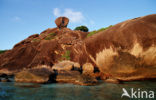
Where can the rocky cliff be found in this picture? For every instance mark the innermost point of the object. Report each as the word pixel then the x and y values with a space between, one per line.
pixel 125 51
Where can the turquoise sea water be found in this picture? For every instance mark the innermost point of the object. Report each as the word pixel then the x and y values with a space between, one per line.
pixel 58 91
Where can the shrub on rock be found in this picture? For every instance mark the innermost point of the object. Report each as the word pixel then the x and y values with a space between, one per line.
pixel 82 28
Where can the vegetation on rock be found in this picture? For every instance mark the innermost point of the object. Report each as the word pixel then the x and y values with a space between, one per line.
pixel 2 51
pixel 112 55
pixel 66 55
pixel 50 36
pixel 96 31
pixel 36 40
pixel 82 28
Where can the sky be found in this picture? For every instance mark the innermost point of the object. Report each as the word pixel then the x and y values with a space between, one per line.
pixel 22 18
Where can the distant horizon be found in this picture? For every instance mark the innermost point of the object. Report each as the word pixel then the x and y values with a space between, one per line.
pixel 20 18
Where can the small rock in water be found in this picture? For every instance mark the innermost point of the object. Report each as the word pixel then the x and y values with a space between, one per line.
pixel 112 80
pixel 5 80
pixel 27 85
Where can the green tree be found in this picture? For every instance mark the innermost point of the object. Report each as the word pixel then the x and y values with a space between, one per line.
pixel 82 28
pixel 2 51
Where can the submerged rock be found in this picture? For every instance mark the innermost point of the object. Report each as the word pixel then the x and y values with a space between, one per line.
pixel 5 77
pixel 112 80
pixel 5 80
pixel 27 85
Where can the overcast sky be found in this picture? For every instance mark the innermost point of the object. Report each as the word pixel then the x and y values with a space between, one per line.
pixel 21 18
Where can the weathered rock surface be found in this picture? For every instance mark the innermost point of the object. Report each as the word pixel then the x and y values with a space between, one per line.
pixel 51 46
pixel 125 51
pixel 36 75
pixel 61 22
pixel 71 72
pixel 66 66
pixel 75 77
pixel 66 74
pixel 88 68
pixel 112 80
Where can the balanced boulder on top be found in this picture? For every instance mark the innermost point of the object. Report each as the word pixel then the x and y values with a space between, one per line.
pixel 61 22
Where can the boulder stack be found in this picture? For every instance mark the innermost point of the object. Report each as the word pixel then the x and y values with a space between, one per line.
pixel 61 22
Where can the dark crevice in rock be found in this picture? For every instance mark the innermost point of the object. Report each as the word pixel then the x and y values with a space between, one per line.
pixel 52 78
pixel 96 69
pixel 77 69
pixel 5 78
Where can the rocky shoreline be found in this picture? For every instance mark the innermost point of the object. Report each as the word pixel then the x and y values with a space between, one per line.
pixel 123 52
pixel 63 72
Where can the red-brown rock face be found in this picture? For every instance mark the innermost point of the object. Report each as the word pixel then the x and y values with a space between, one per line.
pixel 126 51
pixel 61 22
pixel 51 46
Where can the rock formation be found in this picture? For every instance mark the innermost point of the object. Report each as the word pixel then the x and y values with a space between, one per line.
pixel 36 75
pixel 123 52
pixel 88 68
pixel 61 22
pixel 70 72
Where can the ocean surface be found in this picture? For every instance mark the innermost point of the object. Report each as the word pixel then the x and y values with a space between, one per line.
pixel 58 91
